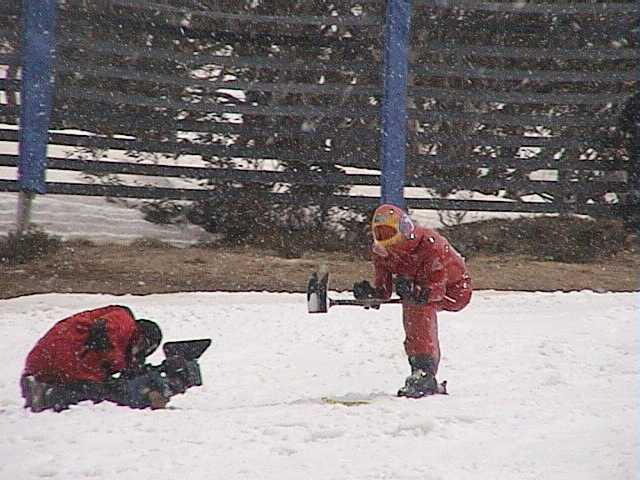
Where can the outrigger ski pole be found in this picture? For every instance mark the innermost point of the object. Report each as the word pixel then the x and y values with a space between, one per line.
pixel 318 300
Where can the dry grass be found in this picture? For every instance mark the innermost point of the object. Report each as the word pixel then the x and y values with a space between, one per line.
pixel 146 267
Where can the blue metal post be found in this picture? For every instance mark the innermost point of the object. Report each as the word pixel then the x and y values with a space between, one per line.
pixel 394 101
pixel 36 94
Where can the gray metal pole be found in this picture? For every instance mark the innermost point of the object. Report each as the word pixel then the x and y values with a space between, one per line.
pixel 25 201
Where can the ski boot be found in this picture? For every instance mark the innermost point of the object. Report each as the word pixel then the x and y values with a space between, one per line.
pixel 422 381
pixel 419 384
pixel 40 396
pixel 34 393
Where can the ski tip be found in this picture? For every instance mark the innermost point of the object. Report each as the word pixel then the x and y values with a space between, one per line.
pixel 344 402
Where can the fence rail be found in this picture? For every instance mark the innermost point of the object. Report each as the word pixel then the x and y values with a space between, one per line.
pixel 542 8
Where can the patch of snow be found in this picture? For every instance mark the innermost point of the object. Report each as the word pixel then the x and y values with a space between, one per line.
pixel 542 386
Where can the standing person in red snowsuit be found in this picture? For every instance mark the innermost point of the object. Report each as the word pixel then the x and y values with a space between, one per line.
pixel 76 358
pixel 429 275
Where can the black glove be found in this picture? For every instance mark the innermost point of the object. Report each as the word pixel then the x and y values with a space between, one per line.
pixel 363 290
pixel 177 370
pixel 404 288
pixel 410 291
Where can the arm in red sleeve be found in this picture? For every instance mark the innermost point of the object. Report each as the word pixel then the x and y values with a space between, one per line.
pixel 383 282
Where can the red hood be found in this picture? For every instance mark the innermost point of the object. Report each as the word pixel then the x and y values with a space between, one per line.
pixel 408 245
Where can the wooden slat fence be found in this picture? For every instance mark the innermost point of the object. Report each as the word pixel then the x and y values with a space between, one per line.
pixel 515 100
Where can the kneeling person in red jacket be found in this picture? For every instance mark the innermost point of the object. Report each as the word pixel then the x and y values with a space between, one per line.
pixel 78 357
pixel 429 275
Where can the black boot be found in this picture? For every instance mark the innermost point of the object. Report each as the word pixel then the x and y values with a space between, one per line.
pixel 33 393
pixel 422 381
pixel 40 396
pixel 426 363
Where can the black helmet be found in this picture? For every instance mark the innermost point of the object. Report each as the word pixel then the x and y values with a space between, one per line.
pixel 151 334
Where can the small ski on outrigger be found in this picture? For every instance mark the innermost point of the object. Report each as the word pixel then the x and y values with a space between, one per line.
pixel 318 300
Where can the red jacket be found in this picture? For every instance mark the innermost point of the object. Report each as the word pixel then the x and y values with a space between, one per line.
pixel 429 260
pixel 63 356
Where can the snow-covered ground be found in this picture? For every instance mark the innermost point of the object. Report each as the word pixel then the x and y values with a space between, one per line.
pixel 543 386
pixel 95 219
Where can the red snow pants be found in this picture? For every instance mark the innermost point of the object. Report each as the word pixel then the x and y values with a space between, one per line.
pixel 421 321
